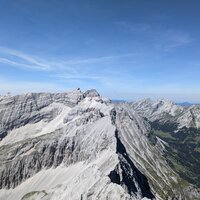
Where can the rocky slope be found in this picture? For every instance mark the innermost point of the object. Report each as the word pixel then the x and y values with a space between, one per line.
pixel 167 111
pixel 179 128
pixel 78 145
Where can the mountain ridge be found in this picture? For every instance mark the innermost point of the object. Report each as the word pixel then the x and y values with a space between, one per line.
pixel 107 150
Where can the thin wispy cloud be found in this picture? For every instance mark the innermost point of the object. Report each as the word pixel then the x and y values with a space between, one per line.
pixel 170 40
pixel 68 77
pixel 7 61
pixel 96 60
pixel 162 39
pixel 71 71
pixel 17 87
pixel 19 59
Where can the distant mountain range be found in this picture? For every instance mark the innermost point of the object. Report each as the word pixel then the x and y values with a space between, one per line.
pixel 178 103
pixel 187 104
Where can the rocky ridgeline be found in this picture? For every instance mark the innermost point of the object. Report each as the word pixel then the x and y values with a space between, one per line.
pixel 41 132
pixel 16 111
pixel 167 111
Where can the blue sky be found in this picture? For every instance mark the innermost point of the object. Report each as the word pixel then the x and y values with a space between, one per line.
pixel 127 49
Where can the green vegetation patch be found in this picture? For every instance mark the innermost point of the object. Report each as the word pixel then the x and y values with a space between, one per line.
pixel 183 149
pixel 164 135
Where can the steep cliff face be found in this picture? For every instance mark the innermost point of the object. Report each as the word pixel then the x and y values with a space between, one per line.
pixel 78 145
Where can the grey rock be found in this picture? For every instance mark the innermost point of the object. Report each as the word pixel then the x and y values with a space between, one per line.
pixel 88 125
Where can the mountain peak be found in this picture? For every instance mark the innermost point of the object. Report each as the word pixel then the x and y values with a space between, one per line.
pixel 91 93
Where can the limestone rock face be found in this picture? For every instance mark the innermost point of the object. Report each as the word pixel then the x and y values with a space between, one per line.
pixel 17 111
pixel 78 145
pixel 167 111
